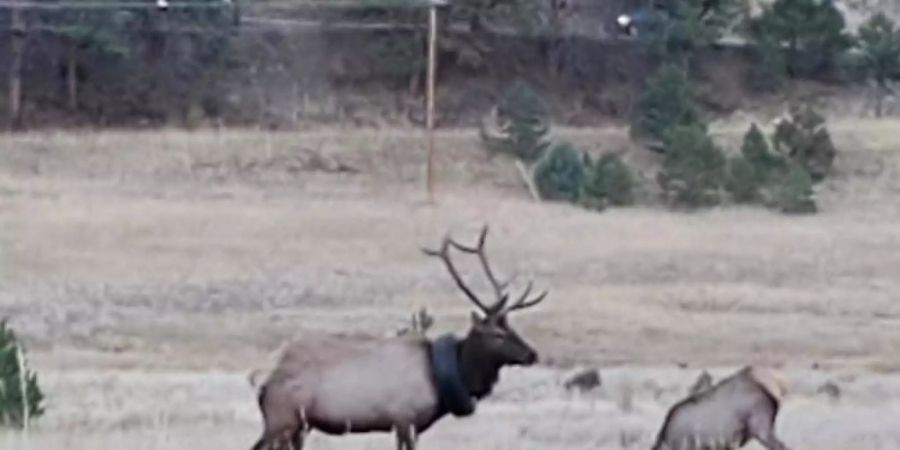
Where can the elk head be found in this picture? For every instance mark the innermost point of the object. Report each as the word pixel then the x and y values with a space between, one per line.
pixel 491 339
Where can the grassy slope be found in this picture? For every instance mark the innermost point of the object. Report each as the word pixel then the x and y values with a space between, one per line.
pixel 136 263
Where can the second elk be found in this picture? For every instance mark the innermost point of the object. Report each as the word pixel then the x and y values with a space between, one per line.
pixel 726 415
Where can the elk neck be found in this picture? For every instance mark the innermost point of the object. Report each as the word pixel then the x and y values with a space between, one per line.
pixel 479 369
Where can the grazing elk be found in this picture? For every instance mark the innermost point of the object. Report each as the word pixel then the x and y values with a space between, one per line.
pixel 402 384
pixel 726 415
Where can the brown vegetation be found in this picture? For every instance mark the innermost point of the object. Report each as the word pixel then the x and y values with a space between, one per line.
pixel 149 271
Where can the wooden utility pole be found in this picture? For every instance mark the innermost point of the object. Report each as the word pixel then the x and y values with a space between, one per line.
pixel 429 94
pixel 72 73
pixel 17 50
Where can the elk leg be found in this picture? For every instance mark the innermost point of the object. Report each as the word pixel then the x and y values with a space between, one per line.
pixel 273 441
pixel 762 428
pixel 406 437
pixel 297 441
pixel 261 444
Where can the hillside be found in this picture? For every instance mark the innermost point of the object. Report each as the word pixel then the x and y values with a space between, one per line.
pixel 276 72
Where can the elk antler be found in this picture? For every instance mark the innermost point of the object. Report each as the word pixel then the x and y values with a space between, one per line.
pixel 499 306
pixel 524 302
pixel 444 254
pixel 479 251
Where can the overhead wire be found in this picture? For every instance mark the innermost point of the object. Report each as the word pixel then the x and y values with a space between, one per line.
pixel 94 5
pixel 245 23
pixel 151 4
pixel 251 23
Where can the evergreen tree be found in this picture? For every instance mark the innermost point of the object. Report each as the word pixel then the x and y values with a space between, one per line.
pixel 607 182
pixel 668 101
pixel 693 172
pixel 808 34
pixel 559 175
pixel 524 123
pixel 12 403
pixel 879 44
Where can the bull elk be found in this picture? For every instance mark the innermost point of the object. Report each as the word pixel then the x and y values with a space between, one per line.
pixel 726 415
pixel 402 384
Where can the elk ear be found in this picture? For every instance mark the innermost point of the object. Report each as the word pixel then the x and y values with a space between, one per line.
pixel 476 319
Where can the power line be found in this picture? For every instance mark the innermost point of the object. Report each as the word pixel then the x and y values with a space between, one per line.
pixel 110 5
pixel 253 25
pixel 346 25
pixel 267 24
pixel 101 5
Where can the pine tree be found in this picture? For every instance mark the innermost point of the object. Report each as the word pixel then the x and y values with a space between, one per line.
pixel 693 172
pixel 667 102
pixel 607 182
pixel 809 35
pixel 559 174
pixel 524 124
pixel 879 44
pixel 12 403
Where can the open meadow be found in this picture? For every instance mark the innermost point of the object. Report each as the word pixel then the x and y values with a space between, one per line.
pixel 149 272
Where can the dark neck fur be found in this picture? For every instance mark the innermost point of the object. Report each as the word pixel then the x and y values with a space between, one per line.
pixel 480 371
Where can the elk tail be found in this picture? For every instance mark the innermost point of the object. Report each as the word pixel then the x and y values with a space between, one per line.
pixel 772 383
pixel 253 377
pixel 256 377
pixel 261 398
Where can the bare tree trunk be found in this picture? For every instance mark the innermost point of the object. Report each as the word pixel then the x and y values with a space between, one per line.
pixel 879 100
pixel 554 41
pixel 17 50
pixel 881 92
pixel 528 178
pixel 72 74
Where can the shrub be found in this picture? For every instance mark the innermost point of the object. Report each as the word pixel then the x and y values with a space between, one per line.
pixel 668 101
pixel 11 400
pixel 693 170
pixel 744 181
pixel 791 191
pixel 760 176
pixel 519 124
pixel 748 172
pixel 803 138
pixel 607 182
pixel 559 174
pixel 757 151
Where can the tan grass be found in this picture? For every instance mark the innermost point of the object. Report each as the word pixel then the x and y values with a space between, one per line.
pixel 127 257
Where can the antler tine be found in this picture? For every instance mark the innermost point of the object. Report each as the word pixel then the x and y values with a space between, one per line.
pixel 444 255
pixel 522 303
pixel 478 249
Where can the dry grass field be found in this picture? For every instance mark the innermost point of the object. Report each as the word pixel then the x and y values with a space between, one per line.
pixel 149 272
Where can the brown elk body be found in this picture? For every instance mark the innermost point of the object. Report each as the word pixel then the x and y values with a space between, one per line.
pixel 343 385
pixel 726 415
